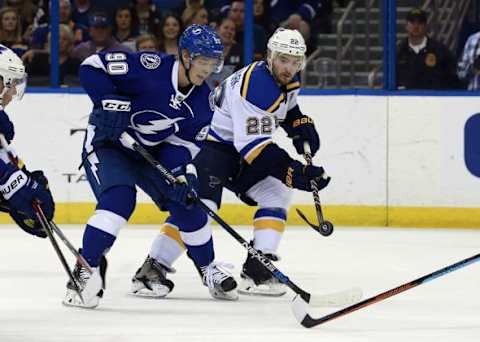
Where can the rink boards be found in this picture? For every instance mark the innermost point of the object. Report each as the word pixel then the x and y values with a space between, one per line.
pixel 394 160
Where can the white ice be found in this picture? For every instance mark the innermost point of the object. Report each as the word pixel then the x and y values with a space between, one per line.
pixel 32 284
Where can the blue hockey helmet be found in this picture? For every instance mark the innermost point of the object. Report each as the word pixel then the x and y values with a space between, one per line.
pixel 202 40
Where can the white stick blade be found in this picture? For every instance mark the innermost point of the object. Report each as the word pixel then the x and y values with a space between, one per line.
pixel 341 298
pixel 299 308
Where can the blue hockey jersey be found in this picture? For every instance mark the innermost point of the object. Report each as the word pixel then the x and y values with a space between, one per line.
pixel 161 113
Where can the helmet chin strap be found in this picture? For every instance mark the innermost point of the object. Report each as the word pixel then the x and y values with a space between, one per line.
pixel 187 70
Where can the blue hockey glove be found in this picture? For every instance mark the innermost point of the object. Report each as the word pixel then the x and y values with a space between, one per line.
pixel 6 126
pixel 20 189
pixel 303 130
pixel 299 176
pixel 113 118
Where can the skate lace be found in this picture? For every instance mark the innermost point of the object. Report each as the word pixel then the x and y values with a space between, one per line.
pixel 216 273
pixel 82 274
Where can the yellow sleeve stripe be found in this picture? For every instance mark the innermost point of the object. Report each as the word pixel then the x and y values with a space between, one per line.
pixel 293 85
pixel 212 138
pixel 20 163
pixel 276 104
pixel 254 153
pixel 277 225
pixel 246 79
pixel 173 233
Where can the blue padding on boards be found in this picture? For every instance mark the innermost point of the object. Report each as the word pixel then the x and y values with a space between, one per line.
pixel 472 144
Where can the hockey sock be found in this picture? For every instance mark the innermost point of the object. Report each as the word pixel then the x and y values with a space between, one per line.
pixel 168 245
pixel 269 225
pixel 202 255
pixel 95 243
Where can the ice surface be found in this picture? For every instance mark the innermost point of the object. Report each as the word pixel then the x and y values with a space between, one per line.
pixel 32 285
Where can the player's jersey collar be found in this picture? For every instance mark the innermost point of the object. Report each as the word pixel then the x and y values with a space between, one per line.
pixel 179 96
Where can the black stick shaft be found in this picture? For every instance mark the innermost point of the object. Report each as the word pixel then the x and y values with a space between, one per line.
pixel 316 197
pixel 44 222
pixel 71 247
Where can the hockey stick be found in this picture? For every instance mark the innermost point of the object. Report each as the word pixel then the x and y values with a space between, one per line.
pixel 48 230
pixel 347 296
pixel 46 226
pixel 324 227
pixel 300 306
pixel 81 260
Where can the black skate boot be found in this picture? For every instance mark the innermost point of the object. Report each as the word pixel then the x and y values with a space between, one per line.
pixel 257 280
pixel 150 279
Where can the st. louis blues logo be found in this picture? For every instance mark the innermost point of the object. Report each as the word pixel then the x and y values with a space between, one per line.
pixel 151 127
pixel 150 60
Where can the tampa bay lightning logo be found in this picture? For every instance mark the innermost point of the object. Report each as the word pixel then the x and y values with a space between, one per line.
pixel 150 60
pixel 152 126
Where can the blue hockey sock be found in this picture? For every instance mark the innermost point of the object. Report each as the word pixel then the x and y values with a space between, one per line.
pixel 202 255
pixel 96 242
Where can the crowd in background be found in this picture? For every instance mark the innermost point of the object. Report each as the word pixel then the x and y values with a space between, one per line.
pixel 88 26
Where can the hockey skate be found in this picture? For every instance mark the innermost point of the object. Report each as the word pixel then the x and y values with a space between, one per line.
pixel 91 286
pixel 257 280
pixel 150 280
pixel 220 282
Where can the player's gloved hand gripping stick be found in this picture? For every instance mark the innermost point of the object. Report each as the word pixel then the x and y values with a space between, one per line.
pixel 334 299
pixel 49 227
pixel 324 227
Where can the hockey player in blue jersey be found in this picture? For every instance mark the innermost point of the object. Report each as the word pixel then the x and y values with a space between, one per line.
pixel 19 187
pixel 240 155
pixel 156 99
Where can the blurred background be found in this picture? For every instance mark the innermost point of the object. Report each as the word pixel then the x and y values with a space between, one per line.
pixel 361 44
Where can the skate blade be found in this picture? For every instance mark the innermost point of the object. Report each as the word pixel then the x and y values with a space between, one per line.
pixel 73 300
pixel 227 296
pixel 158 291
pixel 249 288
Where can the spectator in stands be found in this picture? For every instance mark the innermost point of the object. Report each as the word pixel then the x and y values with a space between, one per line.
pixel 148 16
pixel 39 65
pixel 40 34
pixel 236 12
pixel 298 15
pixel 11 30
pixel 147 42
pixel 101 38
pixel 174 6
pixel 26 10
pixel 233 53
pixel 261 13
pixel 422 62
pixel 194 13
pixel 170 31
pixel 125 26
pixel 81 11
pixel 468 68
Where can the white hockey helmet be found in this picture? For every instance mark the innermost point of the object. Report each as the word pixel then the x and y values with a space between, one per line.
pixel 12 71
pixel 289 42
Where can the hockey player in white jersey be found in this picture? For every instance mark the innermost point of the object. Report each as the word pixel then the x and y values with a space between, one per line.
pixel 19 187
pixel 240 155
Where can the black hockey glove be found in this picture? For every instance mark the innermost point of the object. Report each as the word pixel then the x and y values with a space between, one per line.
pixel 6 126
pixel 300 176
pixel 185 190
pixel 303 130
pixel 30 186
pixel 112 119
